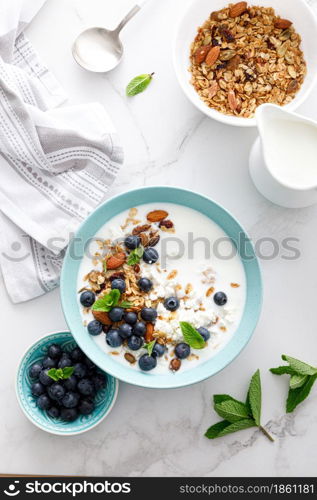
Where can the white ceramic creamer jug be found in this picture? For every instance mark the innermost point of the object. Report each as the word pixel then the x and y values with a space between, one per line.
pixel 283 159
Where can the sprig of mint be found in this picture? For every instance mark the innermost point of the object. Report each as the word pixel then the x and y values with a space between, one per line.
pixel 107 302
pixel 236 414
pixel 303 377
pixel 191 336
pixel 135 256
pixel 138 84
pixel 125 304
pixel 149 347
pixel 60 373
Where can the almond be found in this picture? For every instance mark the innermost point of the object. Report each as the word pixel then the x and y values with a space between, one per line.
pixel 213 55
pixel 282 24
pixel 156 215
pixel 141 229
pixel 149 332
pixel 201 53
pixel 233 63
pixel 102 317
pixel 237 9
pixel 116 260
pixel 232 100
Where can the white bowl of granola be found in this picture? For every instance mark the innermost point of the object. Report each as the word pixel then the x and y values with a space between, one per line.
pixel 231 58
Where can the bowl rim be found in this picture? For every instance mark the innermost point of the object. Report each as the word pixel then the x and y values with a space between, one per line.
pixel 214 114
pixel 37 424
pixel 153 382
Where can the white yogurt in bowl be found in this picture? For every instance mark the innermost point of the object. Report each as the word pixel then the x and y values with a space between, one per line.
pixel 196 261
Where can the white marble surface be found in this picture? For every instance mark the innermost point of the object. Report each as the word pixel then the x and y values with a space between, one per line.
pixel 167 141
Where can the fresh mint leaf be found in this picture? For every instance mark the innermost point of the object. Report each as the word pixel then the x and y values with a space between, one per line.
pixel 283 370
pixel 52 374
pixel 233 411
pixel 149 347
pixel 67 372
pixel 191 336
pixel 238 415
pixel 297 381
pixel 138 84
pixel 125 304
pixel 107 302
pixel 299 366
pixel 255 397
pixel 60 373
pixel 297 396
pixel 135 256
pixel 224 427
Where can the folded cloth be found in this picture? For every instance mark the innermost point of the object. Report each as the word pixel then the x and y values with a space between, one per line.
pixel 56 164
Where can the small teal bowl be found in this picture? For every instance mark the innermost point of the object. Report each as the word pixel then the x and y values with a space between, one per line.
pixel 104 400
pixel 69 280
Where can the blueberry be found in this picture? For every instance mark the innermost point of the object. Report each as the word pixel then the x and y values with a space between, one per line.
pixel 113 338
pixel 54 351
pixel 158 350
pixel 99 380
pixel 86 407
pixel 145 284
pixel 49 362
pixel 171 303
pixel 149 314
pixel 119 284
pixel 182 350
pixel 89 364
pixel 87 299
pixel 125 331
pixel 70 400
pixel 150 255
pixel 116 314
pixel 132 241
pixel 80 370
pixel 70 383
pixel 44 378
pixel 35 370
pixel 44 402
pixel 94 327
pixel 135 343
pixel 204 333
pixel 130 317
pixel 69 414
pixel 77 355
pixel 147 363
pixel 86 387
pixel 139 329
pixel 53 412
pixel 56 391
pixel 65 361
pixel 37 389
pixel 220 298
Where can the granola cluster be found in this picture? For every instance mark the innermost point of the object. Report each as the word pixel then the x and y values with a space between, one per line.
pixel 245 56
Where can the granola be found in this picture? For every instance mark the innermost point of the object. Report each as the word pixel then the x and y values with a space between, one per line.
pixel 245 56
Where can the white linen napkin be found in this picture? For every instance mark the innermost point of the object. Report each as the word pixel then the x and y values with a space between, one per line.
pixel 56 165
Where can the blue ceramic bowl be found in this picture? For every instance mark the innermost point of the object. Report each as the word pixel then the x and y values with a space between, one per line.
pixel 69 292
pixel 104 400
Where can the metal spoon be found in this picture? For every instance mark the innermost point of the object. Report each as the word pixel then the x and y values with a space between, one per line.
pixel 100 50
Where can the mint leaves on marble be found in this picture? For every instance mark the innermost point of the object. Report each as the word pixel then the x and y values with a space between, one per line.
pixel 60 373
pixel 138 84
pixel 191 336
pixel 302 379
pixel 239 415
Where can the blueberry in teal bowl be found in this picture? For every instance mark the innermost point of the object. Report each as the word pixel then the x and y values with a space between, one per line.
pixel 60 390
